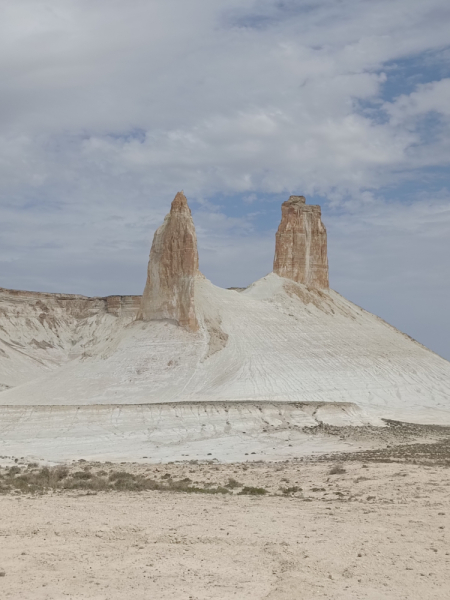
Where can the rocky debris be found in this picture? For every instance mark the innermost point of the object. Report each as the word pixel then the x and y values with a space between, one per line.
pixel 217 337
pixel 2 572
pixel 172 268
pixel 301 244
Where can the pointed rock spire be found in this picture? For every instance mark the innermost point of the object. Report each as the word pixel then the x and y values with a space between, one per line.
pixel 301 244
pixel 173 265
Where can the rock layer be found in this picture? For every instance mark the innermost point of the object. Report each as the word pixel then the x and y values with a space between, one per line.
pixel 40 332
pixel 301 244
pixel 173 265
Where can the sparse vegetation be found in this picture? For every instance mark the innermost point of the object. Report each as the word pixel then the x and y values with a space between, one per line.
pixel 47 479
pixel 290 490
pixel 233 484
pixel 82 475
pixel 249 490
pixel 204 477
pixel 337 470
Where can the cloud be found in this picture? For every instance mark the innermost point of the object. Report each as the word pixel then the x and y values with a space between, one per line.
pixel 107 109
pixel 430 97
pixel 389 258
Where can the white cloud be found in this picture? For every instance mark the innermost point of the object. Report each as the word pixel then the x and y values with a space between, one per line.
pixel 430 97
pixel 108 108
pixel 392 259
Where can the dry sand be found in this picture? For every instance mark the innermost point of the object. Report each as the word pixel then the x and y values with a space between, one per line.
pixel 378 530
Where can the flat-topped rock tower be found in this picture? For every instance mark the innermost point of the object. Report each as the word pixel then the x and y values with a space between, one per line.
pixel 301 244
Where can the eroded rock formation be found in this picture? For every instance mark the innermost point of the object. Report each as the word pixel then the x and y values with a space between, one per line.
pixel 173 265
pixel 40 332
pixel 301 244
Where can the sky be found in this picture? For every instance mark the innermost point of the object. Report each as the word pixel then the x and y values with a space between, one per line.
pixel 109 107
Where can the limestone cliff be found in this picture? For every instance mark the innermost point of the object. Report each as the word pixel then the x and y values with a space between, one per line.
pixel 173 265
pixel 40 332
pixel 301 244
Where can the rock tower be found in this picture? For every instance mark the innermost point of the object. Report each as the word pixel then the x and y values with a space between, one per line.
pixel 301 244
pixel 173 265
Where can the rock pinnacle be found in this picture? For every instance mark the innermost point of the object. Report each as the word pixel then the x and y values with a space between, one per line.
pixel 173 265
pixel 301 244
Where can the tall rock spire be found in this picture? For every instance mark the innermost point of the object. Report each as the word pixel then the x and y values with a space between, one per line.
pixel 301 244
pixel 173 265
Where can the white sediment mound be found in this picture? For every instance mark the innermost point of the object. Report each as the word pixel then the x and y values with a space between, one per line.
pixel 288 356
pixel 276 341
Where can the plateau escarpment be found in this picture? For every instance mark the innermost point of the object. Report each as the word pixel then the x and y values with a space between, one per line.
pixel 39 332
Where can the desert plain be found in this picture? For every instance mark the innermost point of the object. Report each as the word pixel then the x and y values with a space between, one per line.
pixel 361 525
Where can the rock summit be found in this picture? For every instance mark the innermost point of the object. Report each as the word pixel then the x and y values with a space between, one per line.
pixel 301 244
pixel 173 265
pixel 300 255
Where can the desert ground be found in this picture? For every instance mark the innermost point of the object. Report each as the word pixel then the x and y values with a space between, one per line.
pixel 364 525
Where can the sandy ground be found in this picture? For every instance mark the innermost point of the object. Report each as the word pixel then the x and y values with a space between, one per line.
pixel 375 530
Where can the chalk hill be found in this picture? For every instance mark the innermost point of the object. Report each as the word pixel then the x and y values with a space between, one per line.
pixel 193 347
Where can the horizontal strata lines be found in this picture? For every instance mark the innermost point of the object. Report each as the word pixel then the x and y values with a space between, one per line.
pixel 316 355
pixel 227 431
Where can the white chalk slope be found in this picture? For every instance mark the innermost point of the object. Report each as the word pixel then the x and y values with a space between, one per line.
pixel 39 332
pixel 277 341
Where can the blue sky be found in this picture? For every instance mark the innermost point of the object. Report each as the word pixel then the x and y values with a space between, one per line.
pixel 109 108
